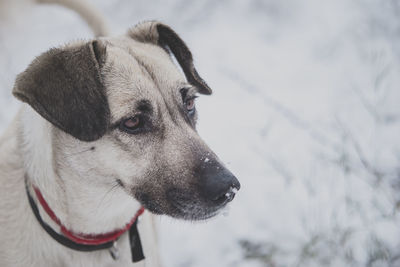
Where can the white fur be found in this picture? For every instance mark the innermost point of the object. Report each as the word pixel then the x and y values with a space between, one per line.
pixel 82 207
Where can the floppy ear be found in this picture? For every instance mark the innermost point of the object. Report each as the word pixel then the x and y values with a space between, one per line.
pixel 162 35
pixel 65 87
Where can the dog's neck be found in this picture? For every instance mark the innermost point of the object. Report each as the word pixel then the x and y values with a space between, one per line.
pixel 81 206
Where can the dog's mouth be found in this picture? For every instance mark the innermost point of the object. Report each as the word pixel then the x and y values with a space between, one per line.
pixel 186 205
pixel 192 206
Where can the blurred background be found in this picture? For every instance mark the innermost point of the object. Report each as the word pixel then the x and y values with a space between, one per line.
pixel 305 111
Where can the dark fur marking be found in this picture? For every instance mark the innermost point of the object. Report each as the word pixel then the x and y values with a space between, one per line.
pixel 120 183
pixel 169 39
pixel 172 44
pixel 145 106
pixel 64 86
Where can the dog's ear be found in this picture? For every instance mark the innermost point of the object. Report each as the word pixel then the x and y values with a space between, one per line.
pixel 65 87
pixel 164 36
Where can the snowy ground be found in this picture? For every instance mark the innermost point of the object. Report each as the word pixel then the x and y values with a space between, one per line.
pixel 305 112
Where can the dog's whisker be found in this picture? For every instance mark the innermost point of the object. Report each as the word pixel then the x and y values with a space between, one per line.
pixel 112 189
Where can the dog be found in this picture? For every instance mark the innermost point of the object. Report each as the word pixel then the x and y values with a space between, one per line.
pixel 106 135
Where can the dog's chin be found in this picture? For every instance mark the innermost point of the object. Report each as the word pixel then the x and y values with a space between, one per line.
pixel 192 206
pixel 184 206
pixel 193 211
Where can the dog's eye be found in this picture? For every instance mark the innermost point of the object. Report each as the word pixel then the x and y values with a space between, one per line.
pixel 131 125
pixel 190 106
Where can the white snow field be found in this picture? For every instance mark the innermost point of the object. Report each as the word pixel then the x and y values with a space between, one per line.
pixel 305 111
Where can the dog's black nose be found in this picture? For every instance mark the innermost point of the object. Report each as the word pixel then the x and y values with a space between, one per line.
pixel 218 183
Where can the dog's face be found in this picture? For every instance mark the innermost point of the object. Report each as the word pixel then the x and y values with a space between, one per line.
pixel 130 113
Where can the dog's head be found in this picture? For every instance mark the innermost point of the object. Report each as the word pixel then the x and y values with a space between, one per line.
pixel 124 113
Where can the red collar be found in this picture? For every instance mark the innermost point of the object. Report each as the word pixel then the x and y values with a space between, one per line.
pixel 86 239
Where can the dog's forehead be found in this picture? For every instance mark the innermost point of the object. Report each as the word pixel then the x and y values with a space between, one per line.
pixel 136 71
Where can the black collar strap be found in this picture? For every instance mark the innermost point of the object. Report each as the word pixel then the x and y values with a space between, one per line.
pixel 134 238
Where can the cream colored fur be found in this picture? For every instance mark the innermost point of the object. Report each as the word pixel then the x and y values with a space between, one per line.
pixel 25 149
